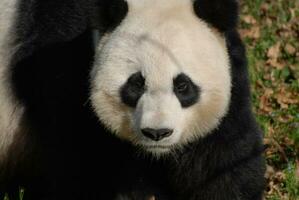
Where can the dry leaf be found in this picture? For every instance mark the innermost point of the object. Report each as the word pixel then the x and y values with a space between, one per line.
pixel 265 7
pixel 273 54
pixel 269 22
pixel 280 176
pixel 269 172
pixel 271 131
pixel 265 104
pixel 287 140
pixel 249 19
pixel 290 49
pixel 274 51
pixel 275 63
pixel 267 141
pixel 285 119
pixel 254 32
pixel 286 98
pixel 294 67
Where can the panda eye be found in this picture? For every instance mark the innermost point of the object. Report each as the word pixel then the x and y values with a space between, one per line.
pixel 182 87
pixel 185 90
pixel 133 89
pixel 138 82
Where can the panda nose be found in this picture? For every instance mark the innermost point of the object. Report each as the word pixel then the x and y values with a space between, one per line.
pixel 156 134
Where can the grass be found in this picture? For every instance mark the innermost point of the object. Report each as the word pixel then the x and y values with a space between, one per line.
pixel 20 196
pixel 270 30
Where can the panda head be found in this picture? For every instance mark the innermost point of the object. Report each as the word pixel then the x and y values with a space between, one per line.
pixel 161 78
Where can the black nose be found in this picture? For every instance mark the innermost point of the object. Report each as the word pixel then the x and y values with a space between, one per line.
pixel 156 134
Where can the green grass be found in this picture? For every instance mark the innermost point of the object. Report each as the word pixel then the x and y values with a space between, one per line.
pixel 292 184
pixel 20 197
pixel 277 22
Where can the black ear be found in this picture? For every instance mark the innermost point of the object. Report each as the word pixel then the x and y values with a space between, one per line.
pixel 108 14
pixel 222 14
pixel 55 20
pixel 41 23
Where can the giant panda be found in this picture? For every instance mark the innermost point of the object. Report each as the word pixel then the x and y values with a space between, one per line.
pixel 170 86
pixel 46 50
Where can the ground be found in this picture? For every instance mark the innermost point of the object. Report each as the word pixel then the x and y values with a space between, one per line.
pixel 270 30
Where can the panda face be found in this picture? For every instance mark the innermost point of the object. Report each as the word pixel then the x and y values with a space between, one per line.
pixel 161 79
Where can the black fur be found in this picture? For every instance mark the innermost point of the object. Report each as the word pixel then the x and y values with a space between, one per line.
pixel 185 90
pixel 50 73
pixel 133 89
pixel 222 14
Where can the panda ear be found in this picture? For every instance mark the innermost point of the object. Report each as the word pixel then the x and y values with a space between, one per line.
pixel 222 14
pixel 108 14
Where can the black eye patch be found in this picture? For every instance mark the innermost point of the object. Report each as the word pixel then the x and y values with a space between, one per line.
pixel 133 89
pixel 185 90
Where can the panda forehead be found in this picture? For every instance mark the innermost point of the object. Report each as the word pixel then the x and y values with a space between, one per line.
pixel 162 52
pixel 155 17
pixel 220 14
pixel 159 7
pixel 158 3
pixel 162 47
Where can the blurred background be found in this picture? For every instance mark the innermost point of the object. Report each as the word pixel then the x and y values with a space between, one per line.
pixel 270 29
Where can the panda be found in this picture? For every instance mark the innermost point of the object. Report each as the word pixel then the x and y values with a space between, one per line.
pixel 180 135
pixel 46 50
pixel 170 83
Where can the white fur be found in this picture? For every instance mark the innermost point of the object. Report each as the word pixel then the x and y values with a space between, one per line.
pixel 10 110
pixel 161 38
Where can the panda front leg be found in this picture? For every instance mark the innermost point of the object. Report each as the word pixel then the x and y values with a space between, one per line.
pixel 243 183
